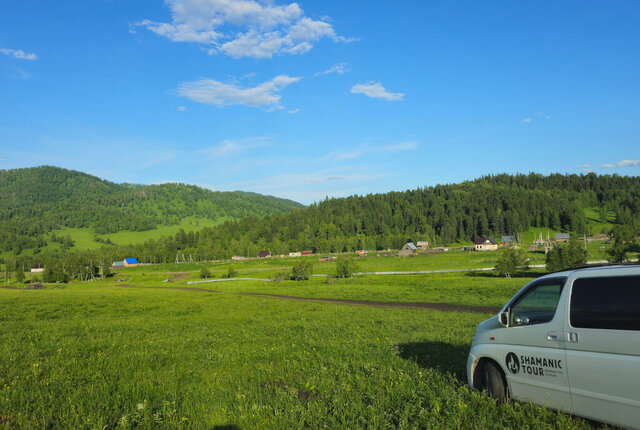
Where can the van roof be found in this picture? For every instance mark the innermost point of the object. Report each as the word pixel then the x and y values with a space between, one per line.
pixel 594 267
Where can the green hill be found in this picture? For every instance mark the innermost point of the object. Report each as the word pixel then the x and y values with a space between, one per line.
pixel 41 206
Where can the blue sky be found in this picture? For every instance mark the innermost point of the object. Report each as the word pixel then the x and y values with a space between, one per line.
pixel 313 99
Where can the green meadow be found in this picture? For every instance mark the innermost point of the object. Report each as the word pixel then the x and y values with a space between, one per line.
pixel 159 354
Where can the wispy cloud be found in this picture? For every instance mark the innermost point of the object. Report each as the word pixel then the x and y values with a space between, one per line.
pixel 340 69
pixel 19 53
pixel 527 120
pixel 628 163
pixel 182 108
pixel 606 166
pixel 340 155
pixel 216 93
pixel 294 111
pixel 375 90
pixel 584 167
pixel 243 28
pixel 232 146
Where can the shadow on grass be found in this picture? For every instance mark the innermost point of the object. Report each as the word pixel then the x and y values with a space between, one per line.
pixel 439 355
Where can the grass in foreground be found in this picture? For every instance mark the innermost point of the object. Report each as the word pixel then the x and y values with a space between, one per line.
pixel 97 356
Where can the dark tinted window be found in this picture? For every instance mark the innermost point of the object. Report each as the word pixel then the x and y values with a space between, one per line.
pixel 607 303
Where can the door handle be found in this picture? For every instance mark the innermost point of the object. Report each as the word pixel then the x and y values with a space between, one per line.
pixel 555 336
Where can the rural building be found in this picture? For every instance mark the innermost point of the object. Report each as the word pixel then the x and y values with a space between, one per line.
pixel 37 268
pixel 408 250
pixel 306 253
pixel 117 265
pixel 362 253
pixel 264 254
pixel 562 237
pixel 130 262
pixel 295 254
pixel 237 258
pixel 507 241
pixel 423 245
pixel 485 244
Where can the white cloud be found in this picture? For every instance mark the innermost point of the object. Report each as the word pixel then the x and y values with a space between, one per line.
pixel 340 69
pixel 19 53
pixel 606 166
pixel 1 159
pixel 182 108
pixel 294 111
pixel 377 91
pixel 527 120
pixel 584 166
pixel 628 163
pixel 232 146
pixel 217 93
pixel 547 117
pixel 243 28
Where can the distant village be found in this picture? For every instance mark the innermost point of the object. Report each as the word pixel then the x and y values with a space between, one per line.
pixel 481 244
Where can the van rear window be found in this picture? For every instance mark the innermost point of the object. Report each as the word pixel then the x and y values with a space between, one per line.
pixel 606 303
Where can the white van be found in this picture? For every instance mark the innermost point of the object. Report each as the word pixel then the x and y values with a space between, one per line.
pixel 569 341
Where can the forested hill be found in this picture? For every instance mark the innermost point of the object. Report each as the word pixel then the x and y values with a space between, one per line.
pixel 35 201
pixel 493 205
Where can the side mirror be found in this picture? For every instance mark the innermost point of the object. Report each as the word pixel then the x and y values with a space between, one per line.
pixel 503 317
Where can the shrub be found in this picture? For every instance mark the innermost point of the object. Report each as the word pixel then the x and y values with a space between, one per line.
pixel 512 260
pixel 562 257
pixel 205 273
pixel 231 273
pixel 302 270
pixel 282 275
pixel 346 267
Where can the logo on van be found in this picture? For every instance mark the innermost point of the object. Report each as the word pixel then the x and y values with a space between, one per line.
pixel 513 364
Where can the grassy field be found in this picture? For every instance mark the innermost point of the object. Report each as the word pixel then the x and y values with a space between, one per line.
pixel 99 355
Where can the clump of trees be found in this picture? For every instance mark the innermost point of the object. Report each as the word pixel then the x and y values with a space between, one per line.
pixel 567 256
pixel 512 260
pixel 346 267
pixel 623 241
pixel 302 270
pixel 231 273
pixel 205 273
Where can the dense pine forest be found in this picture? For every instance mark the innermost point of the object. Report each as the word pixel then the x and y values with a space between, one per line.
pixel 492 205
pixel 36 201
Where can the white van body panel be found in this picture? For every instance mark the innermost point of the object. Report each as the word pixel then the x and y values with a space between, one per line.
pixel 605 365
pixel 591 372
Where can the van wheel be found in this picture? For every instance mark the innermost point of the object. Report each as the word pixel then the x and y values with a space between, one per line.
pixel 489 377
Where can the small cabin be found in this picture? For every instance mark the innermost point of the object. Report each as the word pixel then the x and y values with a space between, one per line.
pixel 130 262
pixel 562 237
pixel 295 254
pixel 422 245
pixel 507 241
pixel 485 244
pixel 408 250
pixel 264 254
pixel 306 252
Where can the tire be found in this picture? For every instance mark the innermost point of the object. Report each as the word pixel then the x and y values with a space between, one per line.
pixel 489 377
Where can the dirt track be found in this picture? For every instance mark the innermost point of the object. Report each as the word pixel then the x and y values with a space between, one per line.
pixel 414 305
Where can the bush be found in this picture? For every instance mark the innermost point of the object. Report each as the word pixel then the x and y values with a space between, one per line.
pixel 19 276
pixel 282 275
pixel 302 270
pixel 205 273
pixel 231 273
pixel 562 257
pixel 346 267
pixel 512 260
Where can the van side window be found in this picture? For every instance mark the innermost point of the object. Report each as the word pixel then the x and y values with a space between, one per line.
pixel 536 306
pixel 611 303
